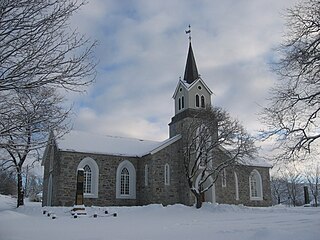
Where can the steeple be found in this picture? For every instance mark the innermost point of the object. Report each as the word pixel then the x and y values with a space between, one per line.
pixel 191 71
pixel 191 94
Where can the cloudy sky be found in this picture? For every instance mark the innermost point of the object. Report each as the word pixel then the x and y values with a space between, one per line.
pixel 142 53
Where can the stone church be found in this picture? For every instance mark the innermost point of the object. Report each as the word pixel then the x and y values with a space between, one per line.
pixel 126 171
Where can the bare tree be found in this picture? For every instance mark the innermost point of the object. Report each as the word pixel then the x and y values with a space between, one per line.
pixel 212 141
pixel 39 52
pixel 38 46
pixel 36 112
pixel 8 184
pixel 278 189
pixel 293 180
pixel 292 116
pixel 313 177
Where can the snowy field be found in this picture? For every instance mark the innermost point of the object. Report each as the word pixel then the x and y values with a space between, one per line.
pixel 157 222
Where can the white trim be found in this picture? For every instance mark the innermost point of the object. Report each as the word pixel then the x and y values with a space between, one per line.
pixel 259 189
pixel 195 99
pixel 132 180
pixel 236 181
pixel 204 101
pixel 182 102
pixel 224 178
pixel 94 176
pixel 189 86
pixel 165 144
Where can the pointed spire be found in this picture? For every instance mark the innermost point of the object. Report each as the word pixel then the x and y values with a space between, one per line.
pixel 191 71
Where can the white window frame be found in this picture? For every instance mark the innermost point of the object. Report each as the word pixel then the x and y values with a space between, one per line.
pixel 125 182
pixel 132 180
pixel 167 174
pixel 236 182
pixel 224 178
pixel 204 101
pixel 197 101
pixel 182 102
pixel 87 181
pixel 255 186
pixel 94 176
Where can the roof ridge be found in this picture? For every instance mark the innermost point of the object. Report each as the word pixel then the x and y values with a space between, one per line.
pixel 113 136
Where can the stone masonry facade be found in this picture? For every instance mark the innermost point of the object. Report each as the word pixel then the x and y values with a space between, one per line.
pixel 65 163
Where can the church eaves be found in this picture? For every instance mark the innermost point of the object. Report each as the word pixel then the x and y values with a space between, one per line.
pixel 191 71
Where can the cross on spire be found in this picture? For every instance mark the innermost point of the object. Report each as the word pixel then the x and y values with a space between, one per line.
pixel 191 71
pixel 189 32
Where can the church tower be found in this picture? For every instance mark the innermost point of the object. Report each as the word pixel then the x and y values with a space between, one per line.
pixel 191 94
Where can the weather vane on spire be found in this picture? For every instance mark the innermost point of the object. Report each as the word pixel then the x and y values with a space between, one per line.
pixel 189 32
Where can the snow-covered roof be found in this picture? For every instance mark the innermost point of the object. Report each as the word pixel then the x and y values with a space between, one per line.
pixel 256 162
pixel 77 141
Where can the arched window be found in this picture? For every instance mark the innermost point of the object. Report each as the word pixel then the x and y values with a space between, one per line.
pixel 203 104
pixel 91 177
pixel 179 103
pixel 126 180
pixel 87 181
pixel 182 102
pixel 166 174
pixel 224 177
pixel 197 101
pixel 236 185
pixel 146 180
pixel 255 183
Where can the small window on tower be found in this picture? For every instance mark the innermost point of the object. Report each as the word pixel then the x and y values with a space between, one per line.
pixel 199 87
pixel 182 102
pixel 197 101
pixel 203 105
pixel 179 103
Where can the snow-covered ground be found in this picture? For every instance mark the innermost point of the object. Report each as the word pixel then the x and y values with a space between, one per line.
pixel 158 222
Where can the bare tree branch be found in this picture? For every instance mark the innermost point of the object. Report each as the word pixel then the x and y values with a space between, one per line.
pixel 35 112
pixel 38 47
pixel 212 141
pixel 292 116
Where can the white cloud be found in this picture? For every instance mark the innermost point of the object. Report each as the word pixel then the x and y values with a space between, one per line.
pixel 142 52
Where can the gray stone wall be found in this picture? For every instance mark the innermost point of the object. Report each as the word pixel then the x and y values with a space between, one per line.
pixel 227 194
pixel 64 180
pixel 107 165
pixel 157 191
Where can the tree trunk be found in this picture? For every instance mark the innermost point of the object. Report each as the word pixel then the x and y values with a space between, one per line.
pixel 20 199
pixel 198 197
pixel 198 201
